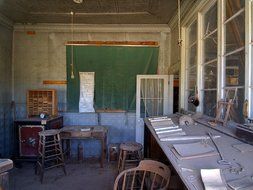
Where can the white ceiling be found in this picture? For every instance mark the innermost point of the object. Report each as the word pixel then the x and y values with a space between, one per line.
pixel 90 11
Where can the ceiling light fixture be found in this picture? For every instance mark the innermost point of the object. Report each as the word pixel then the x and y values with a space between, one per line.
pixel 78 1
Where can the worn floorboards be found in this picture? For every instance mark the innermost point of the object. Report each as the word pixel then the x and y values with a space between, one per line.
pixel 84 176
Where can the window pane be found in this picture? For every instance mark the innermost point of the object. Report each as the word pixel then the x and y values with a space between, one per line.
pixel 192 33
pixel 235 33
pixel 210 48
pixel 251 19
pixel 192 77
pixel 210 75
pixel 233 6
pixel 210 20
pixel 152 88
pixel 191 70
pixel 237 109
pixel 209 102
pixel 235 69
pixel 251 84
pixel 191 107
pixel 192 56
pixel 151 107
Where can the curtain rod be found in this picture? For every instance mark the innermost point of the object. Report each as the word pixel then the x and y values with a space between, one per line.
pixel 112 43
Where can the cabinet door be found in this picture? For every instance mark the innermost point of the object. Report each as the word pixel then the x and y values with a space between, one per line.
pixel 29 139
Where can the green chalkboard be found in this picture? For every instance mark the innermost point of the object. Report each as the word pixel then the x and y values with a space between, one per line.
pixel 115 73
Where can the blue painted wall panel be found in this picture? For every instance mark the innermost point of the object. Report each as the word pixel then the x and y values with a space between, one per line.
pixel 121 128
pixel 6 129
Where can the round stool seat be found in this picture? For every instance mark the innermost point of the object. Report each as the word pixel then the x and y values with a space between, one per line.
pixel 49 132
pixel 130 153
pixel 131 146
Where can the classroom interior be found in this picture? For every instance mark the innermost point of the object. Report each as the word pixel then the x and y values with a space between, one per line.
pixel 126 94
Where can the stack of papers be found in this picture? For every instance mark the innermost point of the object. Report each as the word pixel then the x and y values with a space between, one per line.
pixel 212 179
pixel 165 128
pixel 193 150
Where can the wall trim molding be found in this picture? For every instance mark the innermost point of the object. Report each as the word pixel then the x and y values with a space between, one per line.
pixel 6 21
pixel 118 28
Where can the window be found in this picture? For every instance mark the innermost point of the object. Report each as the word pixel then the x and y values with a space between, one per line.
pixel 219 60
pixel 234 57
pixel 209 61
pixel 191 66
pixel 250 53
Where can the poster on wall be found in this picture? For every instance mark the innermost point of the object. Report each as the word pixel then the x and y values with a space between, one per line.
pixel 87 80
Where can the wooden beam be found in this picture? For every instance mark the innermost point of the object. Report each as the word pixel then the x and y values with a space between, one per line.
pixel 54 82
pixel 113 43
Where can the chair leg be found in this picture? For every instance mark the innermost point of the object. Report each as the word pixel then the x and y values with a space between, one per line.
pixel 42 167
pixel 61 154
pixel 123 160
pixel 120 160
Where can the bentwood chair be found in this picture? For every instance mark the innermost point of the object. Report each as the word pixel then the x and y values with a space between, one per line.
pixel 149 174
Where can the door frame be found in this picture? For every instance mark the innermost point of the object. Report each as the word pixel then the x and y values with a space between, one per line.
pixel 167 104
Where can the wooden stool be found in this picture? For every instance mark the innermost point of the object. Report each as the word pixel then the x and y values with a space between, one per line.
pixel 130 152
pixel 50 152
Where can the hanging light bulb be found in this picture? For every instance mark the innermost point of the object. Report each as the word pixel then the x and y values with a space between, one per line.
pixel 72 48
pixel 78 1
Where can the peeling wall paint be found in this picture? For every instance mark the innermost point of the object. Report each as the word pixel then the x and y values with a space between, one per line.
pixel 42 56
pixel 6 127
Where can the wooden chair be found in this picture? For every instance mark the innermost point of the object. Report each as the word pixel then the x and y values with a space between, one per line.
pixel 149 174
pixel 223 111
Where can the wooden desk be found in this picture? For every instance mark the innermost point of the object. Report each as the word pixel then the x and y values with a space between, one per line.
pixel 85 132
pixel 189 170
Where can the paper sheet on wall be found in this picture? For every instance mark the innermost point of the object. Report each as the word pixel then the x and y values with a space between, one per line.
pixel 87 80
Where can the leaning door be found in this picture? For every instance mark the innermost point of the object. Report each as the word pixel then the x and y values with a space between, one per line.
pixel 154 97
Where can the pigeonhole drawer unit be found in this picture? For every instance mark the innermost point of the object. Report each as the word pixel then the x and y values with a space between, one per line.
pixel 42 101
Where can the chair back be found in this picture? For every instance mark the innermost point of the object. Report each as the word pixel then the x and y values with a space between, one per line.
pixel 149 174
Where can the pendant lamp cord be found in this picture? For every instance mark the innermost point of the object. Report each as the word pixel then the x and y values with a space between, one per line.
pixel 72 48
pixel 179 23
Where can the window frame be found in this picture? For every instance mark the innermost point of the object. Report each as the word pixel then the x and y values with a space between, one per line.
pixel 186 58
pixel 202 62
pixel 197 13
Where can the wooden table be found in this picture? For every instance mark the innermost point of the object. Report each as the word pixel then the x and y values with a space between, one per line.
pixel 189 169
pixel 85 132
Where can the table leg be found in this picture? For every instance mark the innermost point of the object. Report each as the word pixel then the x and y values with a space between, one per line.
pixel 68 149
pixel 102 153
pixel 103 150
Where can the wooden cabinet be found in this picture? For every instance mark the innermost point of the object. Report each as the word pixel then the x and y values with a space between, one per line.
pixel 27 136
pixel 42 101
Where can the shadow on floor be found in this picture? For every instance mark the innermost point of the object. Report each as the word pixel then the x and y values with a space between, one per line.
pixel 84 176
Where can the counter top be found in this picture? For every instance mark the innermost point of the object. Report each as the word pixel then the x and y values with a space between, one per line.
pixel 189 169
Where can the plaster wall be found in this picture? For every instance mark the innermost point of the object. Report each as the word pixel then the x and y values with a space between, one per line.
pixel 5 90
pixel 175 51
pixel 42 56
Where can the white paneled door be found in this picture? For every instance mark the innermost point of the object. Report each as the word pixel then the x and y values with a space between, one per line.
pixel 154 97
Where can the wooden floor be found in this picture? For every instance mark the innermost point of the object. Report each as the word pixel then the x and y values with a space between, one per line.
pixel 84 176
